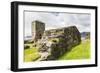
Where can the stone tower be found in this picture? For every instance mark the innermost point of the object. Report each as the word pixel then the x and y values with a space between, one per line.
pixel 38 29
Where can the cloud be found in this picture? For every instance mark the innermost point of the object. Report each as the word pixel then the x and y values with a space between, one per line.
pixel 55 20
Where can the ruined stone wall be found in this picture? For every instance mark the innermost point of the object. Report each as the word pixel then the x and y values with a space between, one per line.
pixel 54 42
pixel 38 29
pixel 57 41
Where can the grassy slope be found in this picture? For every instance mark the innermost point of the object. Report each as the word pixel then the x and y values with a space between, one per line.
pixel 81 51
pixel 30 54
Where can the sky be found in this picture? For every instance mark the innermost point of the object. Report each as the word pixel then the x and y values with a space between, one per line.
pixel 54 20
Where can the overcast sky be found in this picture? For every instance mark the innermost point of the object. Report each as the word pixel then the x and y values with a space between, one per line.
pixel 55 20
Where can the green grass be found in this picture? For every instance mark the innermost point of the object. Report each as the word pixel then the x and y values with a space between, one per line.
pixel 81 51
pixel 28 45
pixel 31 54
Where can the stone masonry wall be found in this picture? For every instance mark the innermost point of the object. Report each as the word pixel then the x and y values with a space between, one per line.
pixel 56 42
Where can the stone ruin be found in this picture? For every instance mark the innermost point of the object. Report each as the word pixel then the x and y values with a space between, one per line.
pixel 55 42
pixel 38 29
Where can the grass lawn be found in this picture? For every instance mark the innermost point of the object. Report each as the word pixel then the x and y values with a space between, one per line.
pixel 81 51
pixel 31 54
